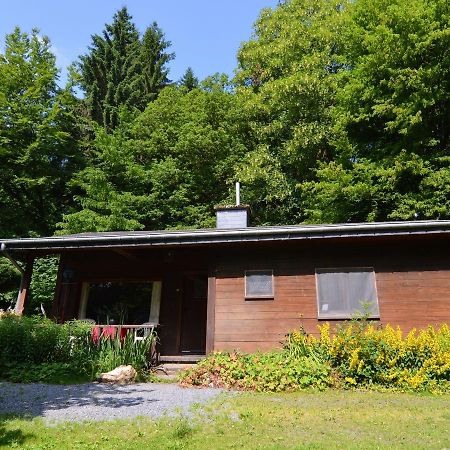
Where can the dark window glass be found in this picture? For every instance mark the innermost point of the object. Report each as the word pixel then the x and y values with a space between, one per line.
pixel 123 303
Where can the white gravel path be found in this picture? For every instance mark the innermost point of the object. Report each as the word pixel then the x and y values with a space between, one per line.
pixel 94 401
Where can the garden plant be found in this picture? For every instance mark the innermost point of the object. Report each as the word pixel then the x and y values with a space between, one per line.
pixel 38 349
pixel 355 354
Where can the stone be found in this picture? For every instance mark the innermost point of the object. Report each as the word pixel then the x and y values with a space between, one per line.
pixel 121 374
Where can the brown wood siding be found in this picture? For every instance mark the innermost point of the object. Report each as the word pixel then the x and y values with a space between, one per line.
pixel 170 314
pixel 413 285
pixel 250 325
pixel 414 299
pixel 412 275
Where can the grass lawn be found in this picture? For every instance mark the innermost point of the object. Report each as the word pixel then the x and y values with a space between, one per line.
pixel 331 419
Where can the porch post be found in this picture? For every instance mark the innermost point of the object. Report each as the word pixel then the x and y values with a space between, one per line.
pixel 155 305
pixel 24 289
pixel 211 314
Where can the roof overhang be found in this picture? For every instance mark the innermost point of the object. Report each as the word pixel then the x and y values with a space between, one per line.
pixel 145 239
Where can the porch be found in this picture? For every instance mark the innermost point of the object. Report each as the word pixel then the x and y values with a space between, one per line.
pixel 140 291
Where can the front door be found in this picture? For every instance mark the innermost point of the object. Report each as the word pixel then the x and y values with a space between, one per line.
pixel 193 315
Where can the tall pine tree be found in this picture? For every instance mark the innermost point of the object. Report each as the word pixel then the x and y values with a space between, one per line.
pixel 189 80
pixel 121 69
pixel 152 66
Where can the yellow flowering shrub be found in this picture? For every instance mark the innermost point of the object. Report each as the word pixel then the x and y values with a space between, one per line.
pixel 385 356
pixel 362 354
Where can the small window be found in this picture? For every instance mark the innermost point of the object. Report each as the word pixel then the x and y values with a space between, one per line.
pixel 346 293
pixel 259 284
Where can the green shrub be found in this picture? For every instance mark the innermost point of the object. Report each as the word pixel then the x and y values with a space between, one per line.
pixel 32 340
pixel 419 360
pixel 364 355
pixel 356 354
pixel 271 371
pixel 55 373
pixel 37 349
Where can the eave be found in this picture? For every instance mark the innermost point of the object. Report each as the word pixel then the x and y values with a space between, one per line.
pixel 202 237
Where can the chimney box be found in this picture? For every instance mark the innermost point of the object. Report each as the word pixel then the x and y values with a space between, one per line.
pixel 228 217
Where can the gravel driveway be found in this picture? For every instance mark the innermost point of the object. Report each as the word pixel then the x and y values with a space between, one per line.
pixel 94 401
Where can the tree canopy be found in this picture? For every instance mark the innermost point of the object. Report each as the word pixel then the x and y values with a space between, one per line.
pixel 167 168
pixel 338 112
pixel 121 69
pixel 390 117
pixel 38 137
pixel 189 80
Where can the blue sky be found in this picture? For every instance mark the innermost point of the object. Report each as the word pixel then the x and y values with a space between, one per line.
pixel 205 34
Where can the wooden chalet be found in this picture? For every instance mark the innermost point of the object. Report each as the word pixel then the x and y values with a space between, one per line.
pixel 240 287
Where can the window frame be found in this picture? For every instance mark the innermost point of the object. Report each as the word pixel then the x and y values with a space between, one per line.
pixel 350 314
pixel 270 296
pixel 155 296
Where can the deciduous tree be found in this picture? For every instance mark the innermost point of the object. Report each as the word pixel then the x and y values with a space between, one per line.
pixel 165 169
pixel 38 137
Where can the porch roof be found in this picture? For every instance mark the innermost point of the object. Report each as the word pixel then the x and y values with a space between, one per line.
pixel 127 239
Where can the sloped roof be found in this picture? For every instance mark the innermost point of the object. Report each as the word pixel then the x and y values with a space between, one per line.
pixel 127 239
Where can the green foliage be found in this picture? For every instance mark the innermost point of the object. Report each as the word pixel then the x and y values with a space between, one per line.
pixel 357 354
pixel 152 66
pixel 51 373
pixel 405 188
pixel 37 340
pixel 33 348
pixel 38 137
pixel 165 169
pixel 266 188
pixel 337 113
pixel 189 80
pixel 419 361
pixel 395 94
pixel 362 355
pixel 272 371
pixel 183 429
pixel 338 99
pixel 392 136
pixel 9 283
pixel 122 70
pixel 43 283
pixel 111 353
pixel 42 287
pixel 287 79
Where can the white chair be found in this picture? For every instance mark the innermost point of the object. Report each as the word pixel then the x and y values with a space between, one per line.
pixel 90 321
pixel 146 330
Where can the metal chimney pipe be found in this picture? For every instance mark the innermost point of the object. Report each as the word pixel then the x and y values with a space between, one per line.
pixel 238 193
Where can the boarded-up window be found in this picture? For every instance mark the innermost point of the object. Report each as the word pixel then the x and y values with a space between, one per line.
pixel 346 293
pixel 259 284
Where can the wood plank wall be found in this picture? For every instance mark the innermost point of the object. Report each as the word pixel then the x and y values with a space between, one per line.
pixel 412 275
pixel 413 283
